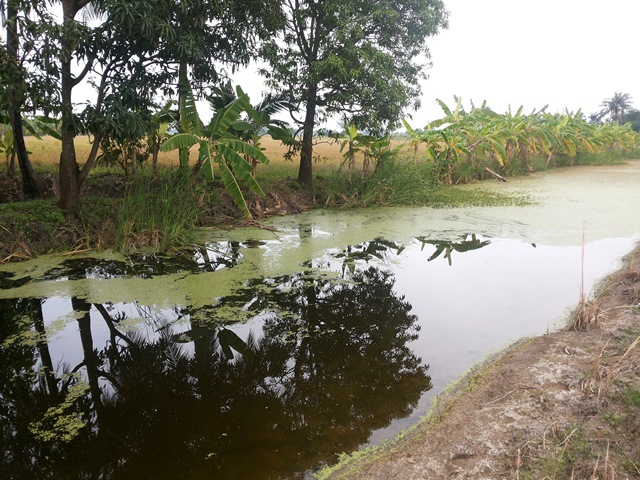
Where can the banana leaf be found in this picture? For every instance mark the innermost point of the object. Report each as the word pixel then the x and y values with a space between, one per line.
pixel 246 149
pixel 179 140
pixel 230 183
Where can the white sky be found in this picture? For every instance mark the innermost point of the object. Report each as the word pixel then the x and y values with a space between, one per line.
pixel 561 53
pixel 564 53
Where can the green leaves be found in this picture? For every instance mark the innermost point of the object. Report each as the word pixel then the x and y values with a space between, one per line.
pixel 219 143
pixel 180 140
pixel 482 135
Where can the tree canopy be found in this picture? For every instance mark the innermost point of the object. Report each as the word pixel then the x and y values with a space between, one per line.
pixel 131 52
pixel 362 58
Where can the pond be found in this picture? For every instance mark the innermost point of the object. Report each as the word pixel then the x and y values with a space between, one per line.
pixel 263 353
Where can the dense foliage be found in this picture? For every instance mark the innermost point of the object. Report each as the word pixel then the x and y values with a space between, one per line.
pixel 464 144
pixel 354 57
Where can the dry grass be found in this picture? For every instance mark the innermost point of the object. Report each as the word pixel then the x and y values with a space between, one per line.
pixel 45 153
pixel 603 442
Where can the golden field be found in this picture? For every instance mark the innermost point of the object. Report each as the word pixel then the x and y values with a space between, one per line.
pixel 45 153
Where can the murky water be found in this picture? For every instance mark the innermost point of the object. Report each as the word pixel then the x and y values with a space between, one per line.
pixel 262 354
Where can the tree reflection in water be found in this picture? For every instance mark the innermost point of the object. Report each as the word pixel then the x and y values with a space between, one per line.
pixel 467 243
pixel 328 365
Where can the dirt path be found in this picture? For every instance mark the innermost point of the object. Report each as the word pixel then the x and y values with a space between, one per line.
pixel 564 405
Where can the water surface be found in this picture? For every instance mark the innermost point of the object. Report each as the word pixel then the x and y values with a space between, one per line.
pixel 263 354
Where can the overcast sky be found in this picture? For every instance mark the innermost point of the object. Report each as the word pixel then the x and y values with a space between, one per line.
pixel 561 53
pixel 564 53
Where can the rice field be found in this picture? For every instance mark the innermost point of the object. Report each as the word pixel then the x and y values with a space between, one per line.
pixel 45 154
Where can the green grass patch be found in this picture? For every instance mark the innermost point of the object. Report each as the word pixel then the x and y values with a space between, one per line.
pixel 632 397
pixel 398 182
pixel 159 213
pixel 28 217
pixel 392 183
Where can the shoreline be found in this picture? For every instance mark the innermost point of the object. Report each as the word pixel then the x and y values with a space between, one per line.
pixel 513 415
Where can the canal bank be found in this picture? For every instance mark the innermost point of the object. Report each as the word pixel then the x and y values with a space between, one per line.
pixel 561 405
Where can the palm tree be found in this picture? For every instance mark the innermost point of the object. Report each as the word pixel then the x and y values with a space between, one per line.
pixel 616 106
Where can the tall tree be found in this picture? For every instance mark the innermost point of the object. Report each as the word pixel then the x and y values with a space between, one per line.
pixel 632 117
pixel 615 107
pixel 364 58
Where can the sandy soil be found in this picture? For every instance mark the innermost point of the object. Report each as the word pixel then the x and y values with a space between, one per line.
pixel 564 405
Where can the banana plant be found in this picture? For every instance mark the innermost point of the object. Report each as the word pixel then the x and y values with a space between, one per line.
pixel 444 147
pixel 6 147
pixel 258 118
pixel 349 144
pixel 218 145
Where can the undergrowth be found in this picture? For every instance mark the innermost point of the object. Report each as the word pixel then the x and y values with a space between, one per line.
pixel 159 213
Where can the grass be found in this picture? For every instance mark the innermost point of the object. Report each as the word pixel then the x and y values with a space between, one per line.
pixel 159 213
pixel 21 222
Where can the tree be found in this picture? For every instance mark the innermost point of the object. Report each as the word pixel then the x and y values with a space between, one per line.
pixel 348 56
pixel 632 117
pixel 16 88
pixel 615 107
pixel 130 52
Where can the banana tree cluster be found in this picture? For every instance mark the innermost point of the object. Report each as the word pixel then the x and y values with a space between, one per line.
pixel 220 143
pixel 479 138
pixel 353 142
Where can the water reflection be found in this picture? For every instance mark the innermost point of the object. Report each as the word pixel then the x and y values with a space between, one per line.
pixel 321 365
pixel 276 373
pixel 467 243
pixel 208 257
pixel 378 248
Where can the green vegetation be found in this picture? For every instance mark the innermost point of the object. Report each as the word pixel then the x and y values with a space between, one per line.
pixel 467 145
pixel 158 214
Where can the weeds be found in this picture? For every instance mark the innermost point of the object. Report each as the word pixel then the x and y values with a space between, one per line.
pixel 158 213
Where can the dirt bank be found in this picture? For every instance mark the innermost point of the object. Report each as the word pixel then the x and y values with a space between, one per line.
pixel 564 405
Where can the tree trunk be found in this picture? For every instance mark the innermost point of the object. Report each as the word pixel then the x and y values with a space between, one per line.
pixel 32 183
pixel 183 85
pixel 305 174
pixel 155 148
pixel 91 360
pixel 12 164
pixel 70 176
pixel 68 172
pixel 47 369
